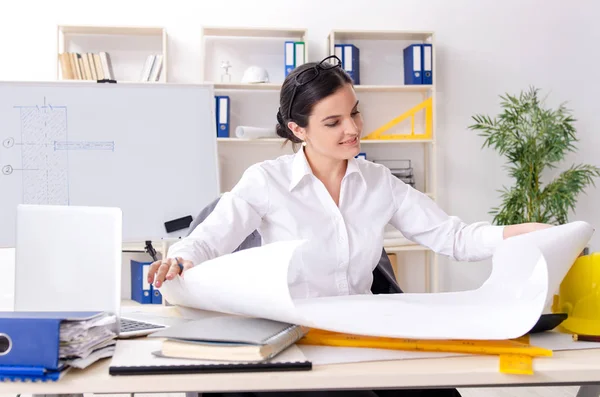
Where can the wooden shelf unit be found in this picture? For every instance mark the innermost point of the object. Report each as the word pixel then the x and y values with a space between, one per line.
pixel 127 46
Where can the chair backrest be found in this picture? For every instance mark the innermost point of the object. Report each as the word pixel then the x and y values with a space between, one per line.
pixel 384 279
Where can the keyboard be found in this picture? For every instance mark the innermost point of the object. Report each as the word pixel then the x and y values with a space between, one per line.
pixel 130 327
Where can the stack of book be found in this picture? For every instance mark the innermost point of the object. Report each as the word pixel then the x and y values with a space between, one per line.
pixel 98 66
pixel 86 66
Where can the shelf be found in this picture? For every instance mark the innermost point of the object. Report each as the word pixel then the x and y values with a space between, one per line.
pixel 393 88
pixel 247 86
pixel 357 88
pixel 112 30
pixel 403 141
pixel 253 32
pixel 381 35
pixel 127 47
pixel 244 140
pixel 367 141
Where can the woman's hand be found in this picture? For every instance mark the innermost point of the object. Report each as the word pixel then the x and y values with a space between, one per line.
pixel 167 269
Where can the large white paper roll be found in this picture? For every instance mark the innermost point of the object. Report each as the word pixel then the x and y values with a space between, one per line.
pixel 526 271
pixel 247 132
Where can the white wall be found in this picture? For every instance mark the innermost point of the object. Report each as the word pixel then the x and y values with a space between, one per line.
pixel 484 48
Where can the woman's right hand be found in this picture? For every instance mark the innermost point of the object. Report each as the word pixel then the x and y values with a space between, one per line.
pixel 167 269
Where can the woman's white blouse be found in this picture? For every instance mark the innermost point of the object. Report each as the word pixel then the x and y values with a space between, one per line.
pixel 283 200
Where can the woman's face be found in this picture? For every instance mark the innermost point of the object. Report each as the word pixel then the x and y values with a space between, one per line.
pixel 335 125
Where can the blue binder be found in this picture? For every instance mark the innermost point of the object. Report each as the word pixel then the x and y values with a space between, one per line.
pixel 413 64
pixel 156 297
pixel 289 56
pixel 350 60
pixel 141 289
pixel 427 65
pixel 30 342
pixel 222 114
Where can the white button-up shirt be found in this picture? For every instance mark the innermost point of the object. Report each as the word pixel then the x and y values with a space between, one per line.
pixel 283 200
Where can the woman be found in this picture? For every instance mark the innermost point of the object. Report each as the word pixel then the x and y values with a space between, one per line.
pixel 325 195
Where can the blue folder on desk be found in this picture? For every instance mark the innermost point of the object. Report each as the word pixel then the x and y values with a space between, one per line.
pixel 30 343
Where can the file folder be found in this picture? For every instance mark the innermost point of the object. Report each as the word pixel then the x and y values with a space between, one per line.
pixel 222 113
pixel 289 55
pixel 339 52
pixel 30 344
pixel 299 54
pixel 156 297
pixel 413 64
pixel 350 56
pixel 427 64
pixel 141 289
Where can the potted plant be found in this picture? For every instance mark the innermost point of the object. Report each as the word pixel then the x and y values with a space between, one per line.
pixel 534 139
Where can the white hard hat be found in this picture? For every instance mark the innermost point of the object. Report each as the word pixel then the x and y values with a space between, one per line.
pixel 255 74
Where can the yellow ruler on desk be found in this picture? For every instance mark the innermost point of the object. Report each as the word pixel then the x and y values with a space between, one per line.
pixel 516 355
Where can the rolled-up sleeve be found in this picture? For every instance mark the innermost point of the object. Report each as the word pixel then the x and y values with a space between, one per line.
pixel 422 221
pixel 237 214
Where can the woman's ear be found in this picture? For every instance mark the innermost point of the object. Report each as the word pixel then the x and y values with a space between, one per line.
pixel 297 130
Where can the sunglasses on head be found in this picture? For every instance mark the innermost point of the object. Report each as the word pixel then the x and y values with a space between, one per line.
pixel 308 75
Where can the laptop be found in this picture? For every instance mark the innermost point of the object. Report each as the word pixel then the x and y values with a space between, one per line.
pixel 68 258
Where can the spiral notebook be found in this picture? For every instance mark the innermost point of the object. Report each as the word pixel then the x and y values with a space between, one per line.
pixel 138 357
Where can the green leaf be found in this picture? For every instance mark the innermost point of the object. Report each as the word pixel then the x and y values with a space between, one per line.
pixel 533 139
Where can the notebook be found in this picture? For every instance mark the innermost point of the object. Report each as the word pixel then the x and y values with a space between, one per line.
pixel 229 338
pixel 135 357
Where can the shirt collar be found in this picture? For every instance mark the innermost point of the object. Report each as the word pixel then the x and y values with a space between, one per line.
pixel 301 168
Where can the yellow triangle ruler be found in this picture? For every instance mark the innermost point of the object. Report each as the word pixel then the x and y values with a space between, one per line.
pixel 426 106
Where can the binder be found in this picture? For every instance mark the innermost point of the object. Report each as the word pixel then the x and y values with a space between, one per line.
pixel 413 64
pixel 299 54
pixel 222 113
pixel 141 289
pixel 30 344
pixel 350 60
pixel 339 52
pixel 156 297
pixel 427 64
pixel 289 56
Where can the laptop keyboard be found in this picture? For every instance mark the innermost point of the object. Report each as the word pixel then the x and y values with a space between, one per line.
pixel 129 325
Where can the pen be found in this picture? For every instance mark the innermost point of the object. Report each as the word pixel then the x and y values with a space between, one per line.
pixel 586 338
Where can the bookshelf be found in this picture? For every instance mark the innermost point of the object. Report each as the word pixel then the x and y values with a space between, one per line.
pixel 128 48
pixel 243 48
pixel 382 92
pixel 382 81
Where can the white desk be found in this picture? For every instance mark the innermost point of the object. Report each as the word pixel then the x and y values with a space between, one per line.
pixel 577 367
pixel 565 368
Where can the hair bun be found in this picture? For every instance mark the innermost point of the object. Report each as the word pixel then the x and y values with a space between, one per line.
pixel 281 128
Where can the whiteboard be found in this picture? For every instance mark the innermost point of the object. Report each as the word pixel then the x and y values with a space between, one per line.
pixel 149 149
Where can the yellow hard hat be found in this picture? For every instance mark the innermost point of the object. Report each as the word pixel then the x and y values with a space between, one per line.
pixel 579 297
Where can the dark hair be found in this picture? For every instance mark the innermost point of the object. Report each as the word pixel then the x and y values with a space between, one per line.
pixel 307 95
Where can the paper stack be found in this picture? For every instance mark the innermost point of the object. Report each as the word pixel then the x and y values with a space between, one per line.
pixel 83 342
